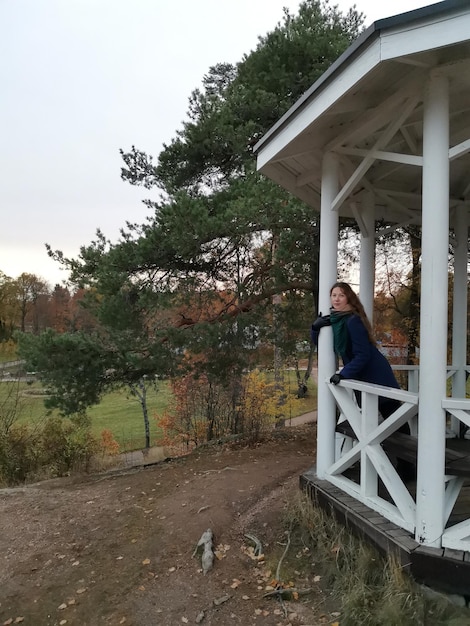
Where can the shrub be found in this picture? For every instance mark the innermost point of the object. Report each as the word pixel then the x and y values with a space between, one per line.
pixel 66 445
pixel 52 449
pixel 108 445
pixel 19 456
pixel 203 410
pixel 8 350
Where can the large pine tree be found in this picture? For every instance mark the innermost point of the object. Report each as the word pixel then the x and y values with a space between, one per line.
pixel 222 241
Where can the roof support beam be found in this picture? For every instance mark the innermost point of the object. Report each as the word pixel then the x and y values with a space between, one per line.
pixel 394 203
pixel 459 150
pixel 392 229
pixel 368 160
pixel 409 140
pixel 373 120
pixel 359 220
pixel 306 178
pixel 382 155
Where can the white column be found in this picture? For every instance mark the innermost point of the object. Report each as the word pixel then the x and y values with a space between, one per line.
pixel 459 306
pixel 367 256
pixel 369 483
pixel 433 332
pixel 326 420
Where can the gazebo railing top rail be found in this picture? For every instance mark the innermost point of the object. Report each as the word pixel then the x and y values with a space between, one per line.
pixel 415 368
pixel 381 390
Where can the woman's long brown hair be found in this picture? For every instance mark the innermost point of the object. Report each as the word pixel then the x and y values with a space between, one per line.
pixel 356 306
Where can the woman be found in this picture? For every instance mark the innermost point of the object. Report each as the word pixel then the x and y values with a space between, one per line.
pixel 354 342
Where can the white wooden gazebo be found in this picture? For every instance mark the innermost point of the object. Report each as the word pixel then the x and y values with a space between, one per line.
pixel 385 133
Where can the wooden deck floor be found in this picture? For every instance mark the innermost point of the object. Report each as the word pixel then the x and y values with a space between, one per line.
pixel 442 569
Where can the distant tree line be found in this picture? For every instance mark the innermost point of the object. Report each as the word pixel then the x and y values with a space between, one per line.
pixel 29 304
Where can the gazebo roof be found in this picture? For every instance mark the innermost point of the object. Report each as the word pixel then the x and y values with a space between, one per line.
pixel 368 109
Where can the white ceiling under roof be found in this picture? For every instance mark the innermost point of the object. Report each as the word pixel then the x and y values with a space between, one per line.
pixel 368 109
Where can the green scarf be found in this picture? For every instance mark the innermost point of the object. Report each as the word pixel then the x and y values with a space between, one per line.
pixel 340 332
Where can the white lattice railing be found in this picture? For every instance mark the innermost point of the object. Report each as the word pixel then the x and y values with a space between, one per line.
pixel 367 449
pixel 457 536
pixel 413 374
pixel 370 431
pixel 412 384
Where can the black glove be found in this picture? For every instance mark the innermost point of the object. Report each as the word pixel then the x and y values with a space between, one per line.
pixel 322 320
pixel 336 378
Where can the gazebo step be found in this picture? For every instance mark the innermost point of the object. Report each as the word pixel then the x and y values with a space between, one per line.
pixel 405 447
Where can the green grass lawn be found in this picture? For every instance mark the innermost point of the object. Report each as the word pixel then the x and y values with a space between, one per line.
pixel 7 352
pixel 121 413
pixel 303 405
pixel 118 411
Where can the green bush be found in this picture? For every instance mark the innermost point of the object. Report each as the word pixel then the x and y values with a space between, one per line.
pixel 66 445
pixel 55 448
pixel 19 456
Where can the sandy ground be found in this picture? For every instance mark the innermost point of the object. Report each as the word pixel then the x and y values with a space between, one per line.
pixel 117 547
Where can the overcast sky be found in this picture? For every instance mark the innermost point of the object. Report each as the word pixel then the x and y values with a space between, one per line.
pixel 81 79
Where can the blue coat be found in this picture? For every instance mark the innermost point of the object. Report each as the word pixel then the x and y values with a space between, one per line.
pixel 362 360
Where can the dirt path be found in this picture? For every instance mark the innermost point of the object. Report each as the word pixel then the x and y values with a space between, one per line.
pixel 117 548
